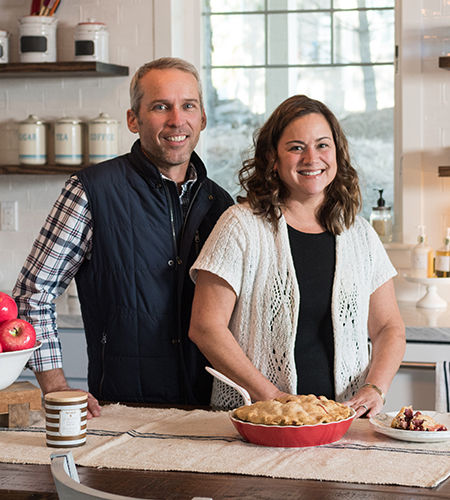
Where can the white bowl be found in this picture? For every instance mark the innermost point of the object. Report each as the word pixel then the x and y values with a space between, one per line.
pixel 12 364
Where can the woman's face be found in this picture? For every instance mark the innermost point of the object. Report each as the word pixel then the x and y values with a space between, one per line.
pixel 306 161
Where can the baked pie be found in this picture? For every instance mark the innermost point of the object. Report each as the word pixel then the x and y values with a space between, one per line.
pixel 293 410
pixel 409 420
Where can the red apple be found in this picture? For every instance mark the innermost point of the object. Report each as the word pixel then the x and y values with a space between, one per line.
pixel 8 308
pixel 16 335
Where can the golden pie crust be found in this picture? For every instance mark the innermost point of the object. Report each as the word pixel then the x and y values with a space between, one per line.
pixel 293 410
pixel 409 420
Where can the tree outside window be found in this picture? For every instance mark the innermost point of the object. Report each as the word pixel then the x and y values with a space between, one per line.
pixel 259 52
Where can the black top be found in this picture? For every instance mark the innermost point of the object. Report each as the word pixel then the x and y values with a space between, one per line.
pixel 314 262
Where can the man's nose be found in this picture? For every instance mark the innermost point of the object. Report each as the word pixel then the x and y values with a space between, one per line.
pixel 175 117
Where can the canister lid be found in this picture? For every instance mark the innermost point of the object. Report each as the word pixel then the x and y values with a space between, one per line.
pixel 66 119
pixel 103 118
pixel 4 33
pixel 33 119
pixel 38 20
pixel 65 396
pixel 92 22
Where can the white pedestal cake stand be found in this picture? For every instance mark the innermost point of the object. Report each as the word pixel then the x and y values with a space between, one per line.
pixel 431 299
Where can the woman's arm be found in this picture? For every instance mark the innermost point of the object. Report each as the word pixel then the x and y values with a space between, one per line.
pixel 213 304
pixel 387 334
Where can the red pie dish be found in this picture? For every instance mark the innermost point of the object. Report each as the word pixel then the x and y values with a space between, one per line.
pixel 293 436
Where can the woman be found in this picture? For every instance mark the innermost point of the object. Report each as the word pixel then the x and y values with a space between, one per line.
pixel 292 282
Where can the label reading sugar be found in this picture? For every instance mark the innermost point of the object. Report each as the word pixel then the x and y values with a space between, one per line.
pixel 70 422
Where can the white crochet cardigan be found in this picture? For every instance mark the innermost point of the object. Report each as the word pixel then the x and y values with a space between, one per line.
pixel 257 263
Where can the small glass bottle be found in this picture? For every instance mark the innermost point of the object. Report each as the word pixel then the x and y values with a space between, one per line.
pixel 381 219
pixel 442 262
pixel 422 257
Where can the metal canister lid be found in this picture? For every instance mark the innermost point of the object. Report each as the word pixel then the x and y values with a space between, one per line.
pixel 65 396
pixel 66 119
pixel 92 23
pixel 103 118
pixel 32 119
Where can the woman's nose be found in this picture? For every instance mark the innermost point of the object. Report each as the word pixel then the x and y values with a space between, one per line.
pixel 309 155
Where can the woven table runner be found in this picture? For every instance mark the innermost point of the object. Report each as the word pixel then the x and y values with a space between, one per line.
pixel 201 441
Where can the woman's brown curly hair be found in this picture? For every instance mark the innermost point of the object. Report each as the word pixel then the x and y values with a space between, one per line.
pixel 266 193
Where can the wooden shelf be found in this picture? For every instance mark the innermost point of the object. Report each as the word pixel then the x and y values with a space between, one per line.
pixel 444 171
pixel 40 169
pixel 444 62
pixel 59 69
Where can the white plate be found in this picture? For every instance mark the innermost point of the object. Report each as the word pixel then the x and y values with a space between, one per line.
pixel 382 423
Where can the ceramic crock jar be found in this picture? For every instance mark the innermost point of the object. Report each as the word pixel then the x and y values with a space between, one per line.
pixel 103 143
pixel 68 141
pixel 91 41
pixel 32 141
pixel 37 39
pixel 4 46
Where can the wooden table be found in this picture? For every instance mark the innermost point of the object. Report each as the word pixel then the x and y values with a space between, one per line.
pixel 20 482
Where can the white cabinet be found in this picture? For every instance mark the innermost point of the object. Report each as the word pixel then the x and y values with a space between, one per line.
pixel 417 386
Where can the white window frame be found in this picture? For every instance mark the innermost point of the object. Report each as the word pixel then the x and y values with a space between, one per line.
pixel 178 33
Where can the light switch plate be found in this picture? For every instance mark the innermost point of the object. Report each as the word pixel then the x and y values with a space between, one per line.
pixel 9 218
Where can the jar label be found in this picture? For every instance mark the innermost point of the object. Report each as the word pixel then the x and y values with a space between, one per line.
pixel 443 263
pixel 70 422
pixel 420 261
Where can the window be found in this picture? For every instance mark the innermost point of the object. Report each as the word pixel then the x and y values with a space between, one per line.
pixel 259 52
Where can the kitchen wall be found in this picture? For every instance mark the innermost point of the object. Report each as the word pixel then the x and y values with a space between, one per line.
pixel 132 43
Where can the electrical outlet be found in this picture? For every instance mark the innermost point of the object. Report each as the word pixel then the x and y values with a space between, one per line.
pixel 9 219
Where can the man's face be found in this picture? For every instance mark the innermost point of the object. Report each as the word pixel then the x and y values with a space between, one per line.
pixel 170 117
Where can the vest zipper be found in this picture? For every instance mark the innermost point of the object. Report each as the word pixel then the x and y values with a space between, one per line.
pixel 172 222
pixel 102 378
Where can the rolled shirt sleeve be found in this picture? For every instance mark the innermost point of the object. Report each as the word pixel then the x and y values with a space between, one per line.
pixel 63 243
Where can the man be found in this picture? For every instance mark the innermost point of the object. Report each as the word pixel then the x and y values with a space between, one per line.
pixel 128 230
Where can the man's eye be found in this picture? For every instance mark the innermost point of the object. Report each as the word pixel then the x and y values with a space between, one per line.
pixel 189 105
pixel 160 107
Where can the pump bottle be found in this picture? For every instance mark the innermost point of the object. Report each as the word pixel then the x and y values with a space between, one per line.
pixel 381 219
pixel 422 258
pixel 442 264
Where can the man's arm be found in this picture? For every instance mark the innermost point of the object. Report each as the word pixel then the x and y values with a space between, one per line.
pixel 54 380
pixel 57 253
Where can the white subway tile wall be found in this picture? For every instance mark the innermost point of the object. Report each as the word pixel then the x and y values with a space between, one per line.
pixel 131 33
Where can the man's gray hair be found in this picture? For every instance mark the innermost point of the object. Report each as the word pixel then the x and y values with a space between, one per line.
pixel 136 92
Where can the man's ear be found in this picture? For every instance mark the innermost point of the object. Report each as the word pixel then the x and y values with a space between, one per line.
pixel 132 122
pixel 204 120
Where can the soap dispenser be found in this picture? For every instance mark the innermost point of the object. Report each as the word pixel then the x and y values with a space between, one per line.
pixel 381 219
pixel 442 261
pixel 422 257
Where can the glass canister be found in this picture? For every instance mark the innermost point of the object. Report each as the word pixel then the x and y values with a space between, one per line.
pixel 37 39
pixel 68 141
pixel 103 143
pixel 4 46
pixel 91 41
pixel 32 141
